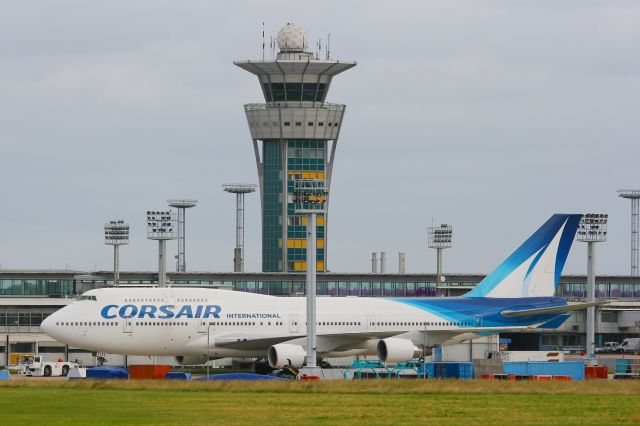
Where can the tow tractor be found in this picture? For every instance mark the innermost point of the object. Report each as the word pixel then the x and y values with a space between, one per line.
pixel 35 366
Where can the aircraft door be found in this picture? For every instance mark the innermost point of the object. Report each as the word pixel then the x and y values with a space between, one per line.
pixel 293 323
pixel 371 322
pixel 127 325
pixel 202 325
pixel 477 320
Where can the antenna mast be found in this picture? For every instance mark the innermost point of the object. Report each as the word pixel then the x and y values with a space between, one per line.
pixel 328 46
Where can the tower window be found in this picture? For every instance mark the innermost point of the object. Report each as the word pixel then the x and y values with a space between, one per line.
pixel 298 123
pixel 310 124
pixel 287 123
pixel 320 123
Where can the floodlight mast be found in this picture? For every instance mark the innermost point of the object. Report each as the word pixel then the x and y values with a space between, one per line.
pixel 309 198
pixel 161 226
pixel 181 206
pixel 116 233
pixel 440 238
pixel 240 189
pixel 592 229
pixel 634 196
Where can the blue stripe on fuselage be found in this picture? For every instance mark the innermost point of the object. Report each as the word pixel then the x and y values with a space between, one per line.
pixel 466 309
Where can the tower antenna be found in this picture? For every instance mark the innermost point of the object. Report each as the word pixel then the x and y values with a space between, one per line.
pixel 328 45
pixel 263 40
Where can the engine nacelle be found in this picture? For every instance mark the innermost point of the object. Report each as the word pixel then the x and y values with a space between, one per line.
pixel 393 350
pixel 191 359
pixel 284 354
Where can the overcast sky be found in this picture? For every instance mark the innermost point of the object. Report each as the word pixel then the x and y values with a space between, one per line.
pixel 490 115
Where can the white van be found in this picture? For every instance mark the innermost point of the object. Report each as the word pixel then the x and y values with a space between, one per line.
pixel 631 344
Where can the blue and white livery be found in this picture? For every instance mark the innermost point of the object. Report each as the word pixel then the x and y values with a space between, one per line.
pixel 192 324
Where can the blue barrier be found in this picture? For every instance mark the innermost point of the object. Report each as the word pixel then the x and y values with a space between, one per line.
pixel 574 369
pixel 450 370
pixel 107 373
pixel 178 375
pixel 4 375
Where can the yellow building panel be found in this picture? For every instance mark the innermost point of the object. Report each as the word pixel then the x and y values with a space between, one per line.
pixel 320 266
pixel 320 242
pixel 306 174
pixel 297 243
pixel 320 220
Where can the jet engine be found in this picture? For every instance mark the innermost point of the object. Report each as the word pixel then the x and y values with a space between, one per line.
pixel 191 359
pixel 283 354
pixel 393 350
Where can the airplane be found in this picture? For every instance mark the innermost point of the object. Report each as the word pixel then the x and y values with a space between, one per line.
pixel 198 324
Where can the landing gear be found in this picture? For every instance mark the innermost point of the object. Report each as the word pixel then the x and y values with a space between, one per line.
pixel 262 368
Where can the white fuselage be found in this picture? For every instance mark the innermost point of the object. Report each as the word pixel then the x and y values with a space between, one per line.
pixel 181 321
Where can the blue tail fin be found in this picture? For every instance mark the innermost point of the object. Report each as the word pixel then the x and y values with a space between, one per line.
pixel 533 270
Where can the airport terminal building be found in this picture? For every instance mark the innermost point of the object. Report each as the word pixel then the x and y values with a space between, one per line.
pixel 27 297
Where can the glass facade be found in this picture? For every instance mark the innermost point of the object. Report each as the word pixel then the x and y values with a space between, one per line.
pixel 36 287
pixel 305 159
pixel 572 288
pixel 272 209
pixel 610 290
pixel 281 92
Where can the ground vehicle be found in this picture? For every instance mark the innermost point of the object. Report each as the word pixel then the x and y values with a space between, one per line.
pixel 609 347
pixel 632 344
pixel 38 367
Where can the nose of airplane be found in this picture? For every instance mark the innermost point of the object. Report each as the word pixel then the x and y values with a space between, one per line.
pixel 48 325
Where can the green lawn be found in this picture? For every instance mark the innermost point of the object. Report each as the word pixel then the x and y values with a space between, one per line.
pixel 369 402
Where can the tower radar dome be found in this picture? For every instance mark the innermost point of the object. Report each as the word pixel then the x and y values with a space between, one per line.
pixel 292 38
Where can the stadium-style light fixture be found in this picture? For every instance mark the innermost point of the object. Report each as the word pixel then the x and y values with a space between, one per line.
pixel 161 226
pixel 240 189
pixel 592 229
pixel 634 196
pixel 310 198
pixel 116 234
pixel 440 238
pixel 182 205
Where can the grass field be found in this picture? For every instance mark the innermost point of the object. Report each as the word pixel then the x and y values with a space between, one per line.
pixel 354 403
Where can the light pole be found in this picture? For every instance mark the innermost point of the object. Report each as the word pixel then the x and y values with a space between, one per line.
pixel 309 198
pixel 240 189
pixel 116 233
pixel 181 206
pixel 634 196
pixel 208 347
pixel 161 227
pixel 592 229
pixel 440 238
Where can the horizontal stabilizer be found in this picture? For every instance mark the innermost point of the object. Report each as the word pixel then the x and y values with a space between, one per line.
pixel 552 309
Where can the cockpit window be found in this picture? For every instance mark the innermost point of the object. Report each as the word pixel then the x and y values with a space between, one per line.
pixel 87 298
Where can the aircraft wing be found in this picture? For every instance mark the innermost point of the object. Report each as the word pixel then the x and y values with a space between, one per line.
pixel 552 309
pixel 242 341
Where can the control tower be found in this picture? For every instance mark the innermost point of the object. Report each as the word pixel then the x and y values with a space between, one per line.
pixel 295 134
